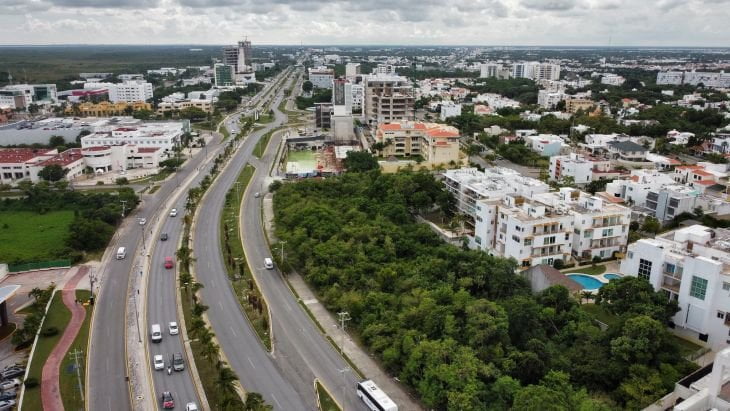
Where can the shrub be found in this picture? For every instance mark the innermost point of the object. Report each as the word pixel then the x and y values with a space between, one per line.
pixel 49 332
pixel 558 264
pixel 31 382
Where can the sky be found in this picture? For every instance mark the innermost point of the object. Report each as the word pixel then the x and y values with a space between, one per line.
pixel 403 22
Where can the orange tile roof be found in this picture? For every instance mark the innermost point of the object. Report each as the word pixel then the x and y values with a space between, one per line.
pixel 705 182
pixel 701 172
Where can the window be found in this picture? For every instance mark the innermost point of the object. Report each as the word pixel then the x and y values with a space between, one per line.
pixel 725 286
pixel 669 268
pixel 644 269
pixel 698 288
pixel 721 315
pixel 528 241
pixel 631 255
pixel 587 233
pixel 549 240
pixel 477 239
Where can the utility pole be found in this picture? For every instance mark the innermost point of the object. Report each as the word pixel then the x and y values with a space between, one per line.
pixel 282 251
pixel 124 206
pixel 344 318
pixel 344 385
pixel 91 284
pixel 136 310
pixel 76 353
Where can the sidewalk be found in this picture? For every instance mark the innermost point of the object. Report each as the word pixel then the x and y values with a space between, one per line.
pixel 354 352
pixel 50 391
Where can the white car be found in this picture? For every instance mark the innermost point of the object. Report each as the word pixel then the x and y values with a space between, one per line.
pixel 9 384
pixel 159 362
pixel 191 407
pixel 173 328
pixel 142 221
pixel 173 212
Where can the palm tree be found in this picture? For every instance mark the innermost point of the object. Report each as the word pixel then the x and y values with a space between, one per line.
pixel 226 380
pixel 196 326
pixel 255 402
pixel 210 350
pixel 587 295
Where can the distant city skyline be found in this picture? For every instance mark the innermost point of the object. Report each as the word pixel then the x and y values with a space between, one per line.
pixel 621 23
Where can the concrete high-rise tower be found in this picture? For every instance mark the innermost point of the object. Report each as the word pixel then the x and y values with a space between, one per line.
pixel 238 56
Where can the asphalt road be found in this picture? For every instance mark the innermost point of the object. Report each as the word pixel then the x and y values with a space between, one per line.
pixel 247 356
pixel 107 371
pixel 106 379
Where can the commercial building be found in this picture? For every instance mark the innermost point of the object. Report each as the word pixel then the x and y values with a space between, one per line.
pixel 223 75
pixel 238 56
pixel 435 143
pixel 164 135
pixel 36 93
pixel 388 99
pixel 128 92
pixel 13 99
pixel 105 109
pixel 449 109
pixel 516 216
pixel 323 115
pixel 18 164
pixel 321 77
pixel 202 100
pixel 103 159
pixel 690 265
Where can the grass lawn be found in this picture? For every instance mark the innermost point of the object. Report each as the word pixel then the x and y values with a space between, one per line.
pixel 29 236
pixel 72 400
pixel 599 314
pixel 260 148
pixel 326 403
pixel 592 270
pixel 58 316
pixel 686 347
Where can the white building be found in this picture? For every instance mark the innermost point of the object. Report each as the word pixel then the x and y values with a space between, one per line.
pixel 19 164
pixel 612 79
pixel 103 159
pixel 496 101
pixel 321 77
pixel 549 99
pixel 35 93
pixel 128 92
pixel 691 266
pixel 546 71
pixel 547 145
pixel 164 135
pixel 449 109
pixel 489 70
pixel 672 78
pixel 352 70
pixel 582 169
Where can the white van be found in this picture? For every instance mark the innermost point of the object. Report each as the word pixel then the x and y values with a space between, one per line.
pixel 156 335
pixel 268 263
pixel 121 253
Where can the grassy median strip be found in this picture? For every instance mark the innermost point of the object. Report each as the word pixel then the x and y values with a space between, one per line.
pixel 56 321
pixel 247 292
pixel 69 381
pixel 325 400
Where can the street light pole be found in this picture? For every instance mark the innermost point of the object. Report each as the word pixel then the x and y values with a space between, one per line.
pixel 282 251
pixel 136 310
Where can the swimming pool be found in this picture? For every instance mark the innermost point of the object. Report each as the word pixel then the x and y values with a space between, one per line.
pixel 588 282
pixel 611 276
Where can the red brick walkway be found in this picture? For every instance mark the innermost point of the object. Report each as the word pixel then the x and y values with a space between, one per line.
pixel 50 391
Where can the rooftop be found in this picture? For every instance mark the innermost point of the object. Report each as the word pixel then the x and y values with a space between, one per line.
pixel 63 159
pixel 21 155
pixel 627 146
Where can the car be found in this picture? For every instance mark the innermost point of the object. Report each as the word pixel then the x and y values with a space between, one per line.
pixel 173 212
pixel 178 363
pixel 9 384
pixel 159 362
pixel 168 262
pixel 191 407
pixel 8 395
pixel 172 327
pixel 257 195
pixel 142 221
pixel 163 237
pixel 12 372
pixel 167 401
pixel 7 405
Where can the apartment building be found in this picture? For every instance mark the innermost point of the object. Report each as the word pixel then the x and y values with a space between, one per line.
pixel 581 168
pixel 546 145
pixel 449 109
pixel 224 75
pixel 388 99
pixel 550 99
pixel 612 79
pixel 573 105
pixel 490 70
pixel 352 70
pixel 690 265
pixel 496 101
pixel 321 77
pixel 436 143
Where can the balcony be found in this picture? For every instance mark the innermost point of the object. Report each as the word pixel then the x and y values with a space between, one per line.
pixel 671 284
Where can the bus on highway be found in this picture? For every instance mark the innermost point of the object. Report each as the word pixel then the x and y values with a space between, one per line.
pixel 374 397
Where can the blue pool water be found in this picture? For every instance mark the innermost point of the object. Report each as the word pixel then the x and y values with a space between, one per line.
pixel 611 276
pixel 588 282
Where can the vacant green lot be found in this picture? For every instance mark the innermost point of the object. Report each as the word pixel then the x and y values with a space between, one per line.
pixel 28 236
pixel 70 394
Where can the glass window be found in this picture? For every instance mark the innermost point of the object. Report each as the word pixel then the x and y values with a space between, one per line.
pixel 644 269
pixel 725 286
pixel 669 268
pixel 698 288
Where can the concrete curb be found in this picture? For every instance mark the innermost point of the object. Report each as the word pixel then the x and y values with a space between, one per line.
pixel 316 394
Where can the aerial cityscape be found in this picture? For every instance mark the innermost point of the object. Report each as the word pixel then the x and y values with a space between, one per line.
pixel 485 205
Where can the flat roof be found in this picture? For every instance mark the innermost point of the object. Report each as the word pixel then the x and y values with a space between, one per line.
pixel 7 292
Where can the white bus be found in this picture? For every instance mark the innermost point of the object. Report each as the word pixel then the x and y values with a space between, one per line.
pixel 374 397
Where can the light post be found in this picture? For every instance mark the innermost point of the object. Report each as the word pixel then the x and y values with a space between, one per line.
pixel 136 310
pixel 282 251
pixel 344 385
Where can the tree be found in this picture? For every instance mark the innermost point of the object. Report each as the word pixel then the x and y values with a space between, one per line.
pixel 193 114
pixel 635 296
pixel 255 402
pixel 360 161
pixel 307 86
pixel 651 225
pixel 640 341
pixel 225 380
pixel 56 141
pixel 52 172
pixel 122 181
pixel 89 234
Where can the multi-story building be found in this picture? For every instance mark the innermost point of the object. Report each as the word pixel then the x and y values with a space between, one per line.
pixel 546 71
pixel 546 145
pixel 388 99
pixel 449 109
pixel 550 99
pixel 172 105
pixel 224 75
pixel 489 70
pixel 18 164
pixel 694 78
pixel 165 135
pixel 128 92
pixel 690 265
pixel 13 99
pixel 358 97
pixel 721 143
pixel 524 69
pixel 496 101
pixel 323 115
pixel 238 56
pixel 573 105
pixel 103 159
pixel 105 109
pixel 36 93
pixel 627 151
pixel 672 78
pixel 612 79
pixel 436 143
pixel 581 168
pixel 321 77
pixel 352 70
pixel 384 70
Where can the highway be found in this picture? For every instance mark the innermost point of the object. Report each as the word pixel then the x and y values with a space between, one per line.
pixel 301 353
pixel 106 380
pixel 245 352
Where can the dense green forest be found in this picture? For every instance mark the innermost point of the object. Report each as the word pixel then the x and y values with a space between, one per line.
pixel 459 326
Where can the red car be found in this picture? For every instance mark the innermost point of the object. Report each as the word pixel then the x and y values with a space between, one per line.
pixel 167 401
pixel 168 262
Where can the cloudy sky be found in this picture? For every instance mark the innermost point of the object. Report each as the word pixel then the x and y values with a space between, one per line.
pixel 477 22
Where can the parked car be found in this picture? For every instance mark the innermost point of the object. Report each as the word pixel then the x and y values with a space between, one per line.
pixel 168 262
pixel 159 362
pixel 12 372
pixel 10 384
pixel 8 395
pixel 167 401
pixel 142 221
pixel 163 237
pixel 173 328
pixel 191 407
pixel 7 405
pixel 173 212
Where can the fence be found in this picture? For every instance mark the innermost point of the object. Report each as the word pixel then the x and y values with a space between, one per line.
pixel 38 265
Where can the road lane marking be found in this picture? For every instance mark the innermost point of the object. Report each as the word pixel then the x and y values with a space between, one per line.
pixel 220 304
pixel 233 331
pixel 275 400
pixel 251 362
